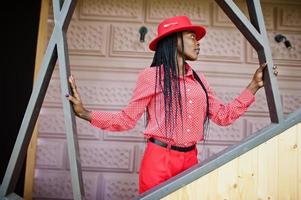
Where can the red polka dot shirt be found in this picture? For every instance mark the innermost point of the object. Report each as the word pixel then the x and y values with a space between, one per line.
pixel 194 109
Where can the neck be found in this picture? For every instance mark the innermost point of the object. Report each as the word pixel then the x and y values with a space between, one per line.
pixel 180 64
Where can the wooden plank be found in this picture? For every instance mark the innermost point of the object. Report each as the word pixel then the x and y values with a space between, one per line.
pixel 270 171
pixel 204 188
pixel 173 196
pixel 31 151
pixel 267 187
pixel 248 174
pixel 209 188
pixel 288 164
pixel 228 180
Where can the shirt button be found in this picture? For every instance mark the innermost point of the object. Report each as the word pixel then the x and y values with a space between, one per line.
pixel 188 90
pixel 190 101
pixel 188 130
pixel 189 116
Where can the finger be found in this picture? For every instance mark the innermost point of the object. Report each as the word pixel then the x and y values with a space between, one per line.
pixel 260 84
pixel 75 94
pixel 72 82
pixel 73 87
pixel 72 99
pixel 263 65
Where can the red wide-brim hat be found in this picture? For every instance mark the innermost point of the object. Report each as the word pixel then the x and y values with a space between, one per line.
pixel 176 24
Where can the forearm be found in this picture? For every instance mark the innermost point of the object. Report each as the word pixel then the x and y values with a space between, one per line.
pixel 226 114
pixel 253 87
pixel 113 121
pixel 86 115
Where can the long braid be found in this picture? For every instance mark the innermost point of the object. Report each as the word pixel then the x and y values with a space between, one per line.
pixel 165 59
pixel 166 62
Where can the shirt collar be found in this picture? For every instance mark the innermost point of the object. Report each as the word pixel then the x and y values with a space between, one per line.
pixel 188 69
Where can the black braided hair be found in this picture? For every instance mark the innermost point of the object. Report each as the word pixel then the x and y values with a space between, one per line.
pixel 165 60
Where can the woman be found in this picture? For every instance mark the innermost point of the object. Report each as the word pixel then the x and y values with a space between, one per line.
pixel 178 103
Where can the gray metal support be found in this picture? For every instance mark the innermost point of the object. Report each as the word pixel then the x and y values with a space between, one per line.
pixel 57 45
pixel 70 124
pixel 255 33
pixel 29 120
pixel 265 54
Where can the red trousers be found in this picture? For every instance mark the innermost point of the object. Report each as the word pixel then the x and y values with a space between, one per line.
pixel 159 164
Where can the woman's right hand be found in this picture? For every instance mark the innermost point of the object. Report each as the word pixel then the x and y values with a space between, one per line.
pixel 76 102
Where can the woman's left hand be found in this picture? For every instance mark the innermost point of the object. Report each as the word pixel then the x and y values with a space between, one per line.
pixel 257 80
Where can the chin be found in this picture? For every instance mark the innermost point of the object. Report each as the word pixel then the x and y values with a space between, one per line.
pixel 192 58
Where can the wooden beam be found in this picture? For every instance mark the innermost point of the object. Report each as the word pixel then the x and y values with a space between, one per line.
pixel 31 151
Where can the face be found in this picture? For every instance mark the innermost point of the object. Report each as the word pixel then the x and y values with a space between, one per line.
pixel 191 46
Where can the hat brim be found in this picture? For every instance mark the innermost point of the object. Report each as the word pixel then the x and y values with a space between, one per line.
pixel 199 31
